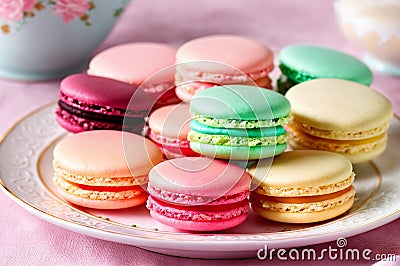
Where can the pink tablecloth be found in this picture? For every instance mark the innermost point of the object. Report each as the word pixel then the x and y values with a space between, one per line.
pixel 28 240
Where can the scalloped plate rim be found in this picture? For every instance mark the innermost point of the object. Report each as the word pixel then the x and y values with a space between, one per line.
pixel 216 248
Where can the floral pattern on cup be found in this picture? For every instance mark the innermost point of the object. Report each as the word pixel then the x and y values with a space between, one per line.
pixel 18 12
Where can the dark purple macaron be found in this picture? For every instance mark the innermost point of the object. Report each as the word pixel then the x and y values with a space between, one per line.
pixel 89 103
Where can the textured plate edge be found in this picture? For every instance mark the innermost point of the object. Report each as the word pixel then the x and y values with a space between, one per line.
pixel 127 239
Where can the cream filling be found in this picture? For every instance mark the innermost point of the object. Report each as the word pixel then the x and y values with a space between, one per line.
pixel 93 194
pixel 163 140
pixel 183 74
pixel 157 88
pixel 311 191
pixel 340 146
pixel 187 199
pixel 198 216
pixel 305 207
pixel 172 155
pixel 196 86
pixel 341 134
pixel 98 180
pixel 85 123
pixel 227 140
pixel 236 123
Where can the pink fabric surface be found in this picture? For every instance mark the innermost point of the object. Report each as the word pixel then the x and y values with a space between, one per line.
pixel 28 240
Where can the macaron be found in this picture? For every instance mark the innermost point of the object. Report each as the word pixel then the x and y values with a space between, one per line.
pixel 92 103
pixel 221 59
pixel 238 122
pixel 300 62
pixel 198 194
pixel 145 64
pixel 302 186
pixel 91 169
pixel 168 127
pixel 340 116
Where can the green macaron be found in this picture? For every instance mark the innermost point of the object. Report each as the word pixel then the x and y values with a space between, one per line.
pixel 299 63
pixel 238 122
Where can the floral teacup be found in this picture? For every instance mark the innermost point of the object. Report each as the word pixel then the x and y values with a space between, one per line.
pixel 45 39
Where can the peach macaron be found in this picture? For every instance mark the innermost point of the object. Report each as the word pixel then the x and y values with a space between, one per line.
pixel 104 169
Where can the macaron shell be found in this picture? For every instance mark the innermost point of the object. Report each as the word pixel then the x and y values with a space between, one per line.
pixel 181 199
pixel 116 196
pixel 163 98
pixel 339 146
pixel 172 152
pixel 237 152
pixel 113 183
pixel 199 176
pixel 183 93
pixel 104 92
pixel 199 226
pixel 340 135
pixel 239 52
pixel 171 121
pixel 334 104
pixel 103 203
pixel 133 63
pixel 302 169
pixel 240 102
pixel 324 62
pixel 195 80
pixel 76 124
pixel 172 148
pixel 198 218
pixel 195 125
pixel 354 158
pixel 299 217
pixel 106 153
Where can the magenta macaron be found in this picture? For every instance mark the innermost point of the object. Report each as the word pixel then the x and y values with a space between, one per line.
pixel 145 64
pixel 89 103
pixel 198 193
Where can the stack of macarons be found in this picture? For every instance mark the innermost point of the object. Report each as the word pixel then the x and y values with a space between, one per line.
pixel 230 114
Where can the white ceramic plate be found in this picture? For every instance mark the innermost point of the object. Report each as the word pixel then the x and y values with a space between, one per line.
pixel 26 173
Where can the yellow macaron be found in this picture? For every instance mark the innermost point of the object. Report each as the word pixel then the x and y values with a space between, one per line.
pixel 339 116
pixel 302 186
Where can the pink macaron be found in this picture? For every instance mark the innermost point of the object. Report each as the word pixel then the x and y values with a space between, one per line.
pixel 168 127
pixel 91 103
pixel 220 60
pixel 198 193
pixel 148 65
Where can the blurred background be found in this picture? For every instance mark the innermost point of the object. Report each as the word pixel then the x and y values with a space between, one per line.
pixel 276 23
